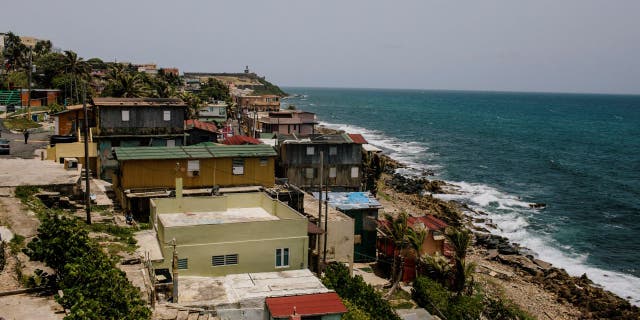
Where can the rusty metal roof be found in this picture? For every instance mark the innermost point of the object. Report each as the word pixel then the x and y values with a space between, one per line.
pixel 306 305
pixel 138 102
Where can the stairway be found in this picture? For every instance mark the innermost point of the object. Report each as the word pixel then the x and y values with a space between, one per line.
pixel 10 98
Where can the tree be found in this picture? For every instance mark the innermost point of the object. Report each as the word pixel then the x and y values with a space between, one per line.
pixel 42 47
pixel 357 292
pixel 78 69
pixel 15 52
pixel 415 240
pixel 437 267
pixel 461 240
pixel 50 65
pixel 214 89
pixel 396 228
pixel 193 103
pixel 125 84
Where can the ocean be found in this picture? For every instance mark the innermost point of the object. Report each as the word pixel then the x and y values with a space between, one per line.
pixel 577 153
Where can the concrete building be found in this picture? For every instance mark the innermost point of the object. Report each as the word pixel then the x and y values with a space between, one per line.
pixel 288 122
pixel 363 208
pixel 70 122
pixel 267 102
pixel 215 112
pixel 244 296
pixel 230 234
pixel 299 160
pixel 339 231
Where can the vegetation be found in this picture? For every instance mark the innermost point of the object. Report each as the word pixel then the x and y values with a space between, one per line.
pixel 19 124
pixel 92 286
pixel 397 229
pixel 214 90
pixel 355 292
pixel 434 297
pixel 3 258
pixel 269 88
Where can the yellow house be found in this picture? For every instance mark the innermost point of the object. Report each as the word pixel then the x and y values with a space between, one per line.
pixel 146 169
pixel 230 234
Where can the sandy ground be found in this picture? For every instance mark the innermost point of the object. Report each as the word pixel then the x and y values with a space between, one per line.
pixel 528 296
pixel 25 306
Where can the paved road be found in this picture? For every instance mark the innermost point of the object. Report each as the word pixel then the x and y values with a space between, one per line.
pixel 37 140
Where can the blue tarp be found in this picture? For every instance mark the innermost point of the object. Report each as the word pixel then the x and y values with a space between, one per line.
pixel 351 200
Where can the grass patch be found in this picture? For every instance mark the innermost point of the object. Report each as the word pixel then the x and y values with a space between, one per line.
pixel 16 244
pixel 25 192
pixel 18 124
pixel 403 305
pixel 123 235
pixel 367 269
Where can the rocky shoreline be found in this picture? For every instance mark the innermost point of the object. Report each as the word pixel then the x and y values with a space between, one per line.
pixel 592 301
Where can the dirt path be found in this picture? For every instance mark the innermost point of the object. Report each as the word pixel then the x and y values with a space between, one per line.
pixel 16 217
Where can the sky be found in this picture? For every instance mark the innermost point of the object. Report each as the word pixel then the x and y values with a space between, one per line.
pixel 549 46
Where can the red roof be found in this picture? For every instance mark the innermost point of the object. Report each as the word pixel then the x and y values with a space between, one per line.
pixel 238 140
pixel 429 221
pixel 206 126
pixel 306 305
pixel 358 138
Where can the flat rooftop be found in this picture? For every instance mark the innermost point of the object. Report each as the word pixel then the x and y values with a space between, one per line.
pixel 246 289
pixel 230 215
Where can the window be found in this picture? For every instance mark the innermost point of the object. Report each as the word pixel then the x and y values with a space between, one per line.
pixel 333 150
pixel 125 115
pixel 333 172
pixel 224 260
pixel 264 162
pixel 193 165
pixel 308 173
pixel 183 263
pixel 310 151
pixel 238 167
pixel 171 143
pixel 354 172
pixel 282 257
pixel 166 115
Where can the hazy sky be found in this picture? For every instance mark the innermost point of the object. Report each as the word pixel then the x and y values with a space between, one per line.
pixel 565 46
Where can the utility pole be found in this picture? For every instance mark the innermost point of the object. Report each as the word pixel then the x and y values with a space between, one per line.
pixel 320 198
pixel 326 220
pixel 29 84
pixel 87 194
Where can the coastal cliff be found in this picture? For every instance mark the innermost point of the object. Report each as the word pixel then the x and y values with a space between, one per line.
pixel 501 265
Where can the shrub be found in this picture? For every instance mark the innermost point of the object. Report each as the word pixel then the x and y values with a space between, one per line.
pixel 358 292
pixel 430 295
pixel 92 286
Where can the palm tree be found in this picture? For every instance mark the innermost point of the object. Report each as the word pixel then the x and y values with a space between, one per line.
pixel 460 240
pixel 125 84
pixel 77 68
pixel 396 229
pixel 416 240
pixel 437 267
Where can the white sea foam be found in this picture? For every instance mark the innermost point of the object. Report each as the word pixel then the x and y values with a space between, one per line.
pixel 405 152
pixel 508 212
pixel 511 216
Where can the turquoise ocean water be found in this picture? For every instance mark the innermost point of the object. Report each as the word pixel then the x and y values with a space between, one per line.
pixel 579 154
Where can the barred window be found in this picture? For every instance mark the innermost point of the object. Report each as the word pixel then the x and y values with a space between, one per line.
pixel 224 260
pixel 183 263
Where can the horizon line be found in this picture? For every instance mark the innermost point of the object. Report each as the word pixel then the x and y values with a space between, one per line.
pixel 467 90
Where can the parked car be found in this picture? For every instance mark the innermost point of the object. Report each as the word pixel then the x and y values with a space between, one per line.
pixel 5 148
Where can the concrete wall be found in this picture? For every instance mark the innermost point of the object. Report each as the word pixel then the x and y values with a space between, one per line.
pixel 213 171
pixel 255 242
pixel 340 240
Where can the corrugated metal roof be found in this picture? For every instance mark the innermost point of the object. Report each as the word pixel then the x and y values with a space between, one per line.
pixel 138 102
pixel 357 138
pixel 241 140
pixel 202 125
pixel 193 152
pixel 429 221
pixel 306 305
